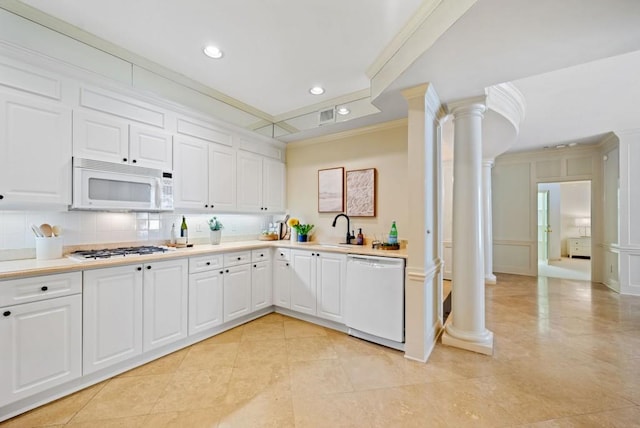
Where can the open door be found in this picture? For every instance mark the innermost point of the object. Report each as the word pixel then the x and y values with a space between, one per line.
pixel 543 226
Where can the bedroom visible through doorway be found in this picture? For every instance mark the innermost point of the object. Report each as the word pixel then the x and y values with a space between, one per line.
pixel 564 230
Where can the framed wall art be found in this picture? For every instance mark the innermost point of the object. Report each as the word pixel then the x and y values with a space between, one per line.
pixel 361 193
pixel 331 190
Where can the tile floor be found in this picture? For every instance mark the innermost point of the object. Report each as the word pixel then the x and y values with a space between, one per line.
pixel 567 354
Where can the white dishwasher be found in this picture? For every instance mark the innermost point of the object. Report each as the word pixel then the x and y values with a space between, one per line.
pixel 375 299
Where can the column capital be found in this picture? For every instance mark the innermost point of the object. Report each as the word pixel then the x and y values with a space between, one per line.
pixel 488 162
pixel 475 106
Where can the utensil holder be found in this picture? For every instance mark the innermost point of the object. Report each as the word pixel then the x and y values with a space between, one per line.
pixel 48 248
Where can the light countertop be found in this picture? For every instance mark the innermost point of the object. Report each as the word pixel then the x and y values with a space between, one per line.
pixel 32 267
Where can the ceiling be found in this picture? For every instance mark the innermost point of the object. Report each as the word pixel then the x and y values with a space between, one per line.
pixel 575 61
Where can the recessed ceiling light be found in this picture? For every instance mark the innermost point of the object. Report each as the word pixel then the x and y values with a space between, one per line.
pixel 213 52
pixel 316 90
pixel 343 111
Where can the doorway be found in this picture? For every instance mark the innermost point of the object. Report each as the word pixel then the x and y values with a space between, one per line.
pixel 564 230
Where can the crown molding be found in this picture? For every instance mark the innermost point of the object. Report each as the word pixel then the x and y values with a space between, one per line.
pixel 351 133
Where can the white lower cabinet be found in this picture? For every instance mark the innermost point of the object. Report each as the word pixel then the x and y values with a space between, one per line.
pixel 282 283
pixel 303 284
pixel 112 316
pixel 237 291
pixel 261 285
pixel 41 346
pixel 131 309
pixel 317 284
pixel 206 279
pixel 165 307
pixel 331 274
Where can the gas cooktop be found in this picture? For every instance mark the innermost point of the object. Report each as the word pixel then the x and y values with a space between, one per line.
pixel 109 253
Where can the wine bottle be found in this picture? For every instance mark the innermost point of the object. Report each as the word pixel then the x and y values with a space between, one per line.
pixel 393 234
pixel 184 232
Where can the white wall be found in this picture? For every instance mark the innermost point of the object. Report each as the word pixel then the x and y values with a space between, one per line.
pixel 515 181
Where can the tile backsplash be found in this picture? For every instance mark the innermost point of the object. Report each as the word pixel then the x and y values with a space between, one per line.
pixel 85 227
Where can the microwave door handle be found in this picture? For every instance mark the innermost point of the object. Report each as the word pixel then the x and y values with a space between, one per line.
pixel 158 193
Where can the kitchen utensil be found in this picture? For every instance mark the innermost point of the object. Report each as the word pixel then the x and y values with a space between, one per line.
pixel 36 231
pixel 46 230
pixel 57 230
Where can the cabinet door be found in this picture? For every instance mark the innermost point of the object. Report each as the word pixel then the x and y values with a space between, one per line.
pixel 330 286
pixel 273 187
pixel 41 346
pixel 111 316
pixel 282 284
pixel 190 178
pixel 205 300
pixel 261 285
pixel 222 177
pixel 35 136
pixel 249 174
pixel 303 282
pixel 100 137
pixel 165 303
pixel 237 292
pixel 150 148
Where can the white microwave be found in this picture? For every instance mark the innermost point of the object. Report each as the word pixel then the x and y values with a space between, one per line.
pixel 107 186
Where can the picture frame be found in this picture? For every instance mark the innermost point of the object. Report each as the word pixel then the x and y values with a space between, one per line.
pixel 361 193
pixel 331 190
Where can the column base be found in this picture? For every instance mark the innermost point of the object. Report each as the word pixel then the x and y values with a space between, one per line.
pixel 490 279
pixel 482 344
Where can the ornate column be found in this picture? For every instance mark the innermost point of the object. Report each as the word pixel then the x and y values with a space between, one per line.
pixel 489 277
pixel 466 328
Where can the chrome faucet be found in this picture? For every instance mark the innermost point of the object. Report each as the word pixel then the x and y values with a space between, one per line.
pixel 349 236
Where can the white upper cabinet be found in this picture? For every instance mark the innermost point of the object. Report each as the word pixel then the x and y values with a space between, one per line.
pixel 190 184
pixel 35 151
pixel 273 185
pixel 222 177
pixel 111 139
pixel 261 183
pixel 250 182
pixel 205 175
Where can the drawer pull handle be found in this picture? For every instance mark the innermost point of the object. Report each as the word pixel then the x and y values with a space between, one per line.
pixel 44 288
pixel 239 258
pixel 139 268
pixel 6 313
pixel 255 266
pixel 148 267
pixel 221 272
pixel 281 254
pixel 124 159
pixel 208 263
pixel 286 264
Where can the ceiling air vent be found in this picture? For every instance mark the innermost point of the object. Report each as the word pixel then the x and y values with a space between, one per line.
pixel 327 116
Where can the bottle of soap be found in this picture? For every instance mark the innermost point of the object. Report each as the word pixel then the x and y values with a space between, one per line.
pixel 393 234
pixel 360 238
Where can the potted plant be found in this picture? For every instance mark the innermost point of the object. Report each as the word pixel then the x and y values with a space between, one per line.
pixel 301 229
pixel 216 230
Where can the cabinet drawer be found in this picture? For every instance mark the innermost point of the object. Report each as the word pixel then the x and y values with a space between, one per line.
pixel 238 258
pixel 575 242
pixel 205 263
pixel 17 291
pixel 282 254
pixel 261 254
